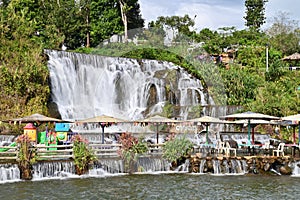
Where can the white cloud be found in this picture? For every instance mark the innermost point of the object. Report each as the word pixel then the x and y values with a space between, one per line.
pixel 214 14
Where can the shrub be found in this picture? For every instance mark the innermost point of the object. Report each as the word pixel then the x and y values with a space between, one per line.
pixel 175 149
pixel 83 156
pixel 26 156
pixel 131 148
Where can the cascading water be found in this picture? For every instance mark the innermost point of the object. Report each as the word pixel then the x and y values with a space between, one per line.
pixel 153 164
pixel 89 85
pixel 9 172
pixel 296 171
pixel 53 169
pixel 109 165
pixel 226 167
pixel 216 166
pixel 6 139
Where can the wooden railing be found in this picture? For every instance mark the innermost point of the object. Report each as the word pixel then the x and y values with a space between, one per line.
pixel 111 150
pixel 8 153
pixel 105 150
pixel 54 152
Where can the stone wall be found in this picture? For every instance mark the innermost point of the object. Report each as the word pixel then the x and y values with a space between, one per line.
pixel 246 164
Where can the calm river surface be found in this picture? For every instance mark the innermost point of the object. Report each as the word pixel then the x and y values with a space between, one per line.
pixel 156 186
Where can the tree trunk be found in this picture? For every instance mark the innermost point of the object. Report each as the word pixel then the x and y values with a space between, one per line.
pixel 25 171
pixel 79 171
pixel 88 29
pixel 124 18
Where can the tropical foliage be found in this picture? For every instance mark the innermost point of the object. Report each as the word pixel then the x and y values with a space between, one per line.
pixel 176 148
pixel 26 156
pixel 27 153
pixel 131 148
pixel 83 156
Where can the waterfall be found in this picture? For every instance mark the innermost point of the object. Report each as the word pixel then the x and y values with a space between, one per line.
pixel 85 86
pixel 201 167
pixel 144 164
pixel 6 139
pixel 147 164
pixel 226 167
pixel 216 167
pixel 237 167
pixel 9 172
pixel 112 166
pixel 244 166
pixel 53 169
pixel 296 170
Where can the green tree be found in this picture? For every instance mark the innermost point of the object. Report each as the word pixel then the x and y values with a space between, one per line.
pixel 23 72
pixel 276 98
pixel 211 40
pixel 284 34
pixel 180 26
pixel 240 85
pixel 106 18
pixel 255 13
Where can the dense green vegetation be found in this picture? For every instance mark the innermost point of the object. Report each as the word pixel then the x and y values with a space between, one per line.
pixel 29 26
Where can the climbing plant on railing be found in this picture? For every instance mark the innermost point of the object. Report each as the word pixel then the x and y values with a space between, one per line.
pixel 83 155
pixel 131 148
pixel 26 156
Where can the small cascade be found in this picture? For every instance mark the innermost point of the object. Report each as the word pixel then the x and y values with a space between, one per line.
pixel 244 166
pixel 216 167
pixel 183 167
pixel 226 168
pixel 9 172
pixel 112 166
pixel 147 164
pixel 236 167
pixel 6 139
pixel 53 169
pixel 98 172
pixel 201 166
pixel 296 170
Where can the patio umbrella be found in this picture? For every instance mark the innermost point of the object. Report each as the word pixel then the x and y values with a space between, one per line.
pixel 157 119
pixel 293 120
pixel 253 123
pixel 103 120
pixel 207 120
pixel 35 118
pixel 249 115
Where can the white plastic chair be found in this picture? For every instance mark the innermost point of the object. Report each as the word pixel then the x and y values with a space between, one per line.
pixel 228 148
pixel 279 150
pixel 266 147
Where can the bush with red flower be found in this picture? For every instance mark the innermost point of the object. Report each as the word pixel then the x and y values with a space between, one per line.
pixel 26 156
pixel 131 148
pixel 83 155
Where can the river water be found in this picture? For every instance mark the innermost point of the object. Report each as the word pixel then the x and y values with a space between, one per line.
pixel 156 186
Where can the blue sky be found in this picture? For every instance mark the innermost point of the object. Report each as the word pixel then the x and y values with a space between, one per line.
pixel 214 14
